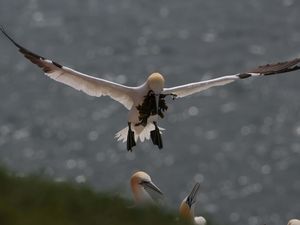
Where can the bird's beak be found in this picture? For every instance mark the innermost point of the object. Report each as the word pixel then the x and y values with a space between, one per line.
pixel 149 185
pixel 192 197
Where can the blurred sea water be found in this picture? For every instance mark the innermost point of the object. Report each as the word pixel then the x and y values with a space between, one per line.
pixel 241 141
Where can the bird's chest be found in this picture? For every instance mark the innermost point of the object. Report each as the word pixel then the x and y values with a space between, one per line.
pixel 149 107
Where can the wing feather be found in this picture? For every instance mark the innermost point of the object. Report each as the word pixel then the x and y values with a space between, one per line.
pixel 264 70
pixel 192 88
pixel 88 84
pixel 276 68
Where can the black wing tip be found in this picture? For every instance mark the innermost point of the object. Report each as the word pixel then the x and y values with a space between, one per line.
pixel 9 37
pixel 277 68
pixel 244 75
pixel 28 54
pixel 23 50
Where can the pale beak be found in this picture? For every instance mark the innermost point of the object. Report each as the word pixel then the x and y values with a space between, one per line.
pixel 150 186
pixel 192 197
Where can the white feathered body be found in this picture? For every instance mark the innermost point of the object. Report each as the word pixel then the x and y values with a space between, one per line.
pixel 140 132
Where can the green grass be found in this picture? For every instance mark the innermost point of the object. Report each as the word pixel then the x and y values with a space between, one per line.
pixel 34 200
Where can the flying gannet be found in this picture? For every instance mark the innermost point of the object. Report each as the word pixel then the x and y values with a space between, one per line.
pixel 187 207
pixel 146 103
pixel 143 189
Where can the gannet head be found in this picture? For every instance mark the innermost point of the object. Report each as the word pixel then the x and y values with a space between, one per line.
pixel 156 82
pixel 294 222
pixel 142 187
pixel 187 206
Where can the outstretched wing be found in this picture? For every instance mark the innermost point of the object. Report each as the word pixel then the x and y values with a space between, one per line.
pixel 90 85
pixel 264 70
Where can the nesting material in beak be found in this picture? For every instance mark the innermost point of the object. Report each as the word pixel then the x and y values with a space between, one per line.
pixel 153 104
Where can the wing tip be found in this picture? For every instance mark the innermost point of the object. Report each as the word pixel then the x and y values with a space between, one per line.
pixel 277 68
pixel 23 50
pixel 33 57
pixel 9 37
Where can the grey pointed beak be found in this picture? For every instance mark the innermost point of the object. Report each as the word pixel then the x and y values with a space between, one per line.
pixel 192 197
pixel 150 185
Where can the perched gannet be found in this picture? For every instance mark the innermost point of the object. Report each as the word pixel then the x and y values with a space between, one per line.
pixel 145 102
pixel 143 189
pixel 294 222
pixel 187 206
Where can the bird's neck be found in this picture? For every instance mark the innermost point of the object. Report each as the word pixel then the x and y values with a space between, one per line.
pixel 186 211
pixel 140 195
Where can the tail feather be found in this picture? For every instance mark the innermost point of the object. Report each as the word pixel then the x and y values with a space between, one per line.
pixel 122 135
pixel 140 132
pixel 145 134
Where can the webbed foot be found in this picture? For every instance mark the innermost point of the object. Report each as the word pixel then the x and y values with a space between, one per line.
pixel 130 138
pixel 156 136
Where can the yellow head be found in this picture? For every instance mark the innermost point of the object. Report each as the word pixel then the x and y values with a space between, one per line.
pixel 137 178
pixel 141 184
pixel 156 82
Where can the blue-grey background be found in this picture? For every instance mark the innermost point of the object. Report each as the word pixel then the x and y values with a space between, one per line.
pixel 241 141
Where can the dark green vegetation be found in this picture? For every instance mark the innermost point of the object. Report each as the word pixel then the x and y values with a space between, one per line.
pixel 34 201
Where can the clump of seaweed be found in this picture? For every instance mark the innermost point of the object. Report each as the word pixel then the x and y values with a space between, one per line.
pixel 148 108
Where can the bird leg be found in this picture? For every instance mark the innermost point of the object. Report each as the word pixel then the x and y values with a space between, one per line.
pixel 156 136
pixel 130 138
